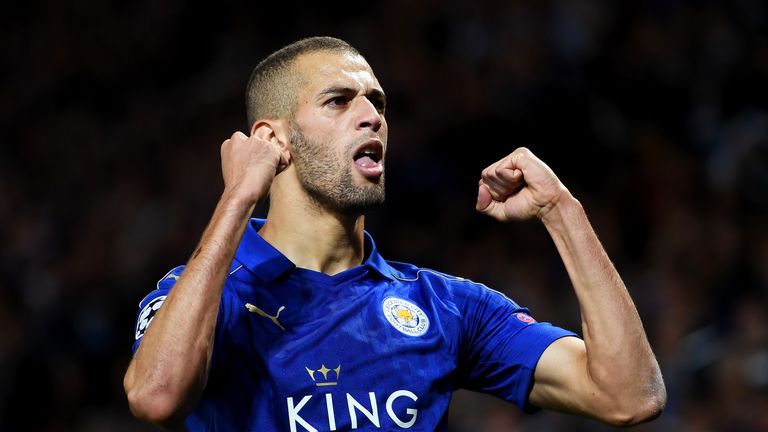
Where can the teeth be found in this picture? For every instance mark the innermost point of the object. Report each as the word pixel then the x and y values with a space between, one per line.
pixel 371 154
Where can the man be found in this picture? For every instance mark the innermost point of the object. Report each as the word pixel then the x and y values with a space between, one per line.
pixel 297 323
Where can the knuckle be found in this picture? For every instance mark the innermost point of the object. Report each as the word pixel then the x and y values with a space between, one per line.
pixel 520 153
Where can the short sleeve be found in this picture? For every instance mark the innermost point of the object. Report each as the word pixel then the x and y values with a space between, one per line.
pixel 504 344
pixel 150 305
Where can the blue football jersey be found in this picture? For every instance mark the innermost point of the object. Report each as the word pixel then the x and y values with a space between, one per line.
pixel 381 346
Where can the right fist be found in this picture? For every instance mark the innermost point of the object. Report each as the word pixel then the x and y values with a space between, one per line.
pixel 249 164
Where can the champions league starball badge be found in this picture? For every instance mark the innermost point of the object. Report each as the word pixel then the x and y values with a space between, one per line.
pixel 147 315
pixel 405 316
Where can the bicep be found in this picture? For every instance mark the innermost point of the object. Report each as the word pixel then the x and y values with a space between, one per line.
pixel 562 381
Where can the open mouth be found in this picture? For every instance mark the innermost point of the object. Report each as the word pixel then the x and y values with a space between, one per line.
pixel 368 158
pixel 371 150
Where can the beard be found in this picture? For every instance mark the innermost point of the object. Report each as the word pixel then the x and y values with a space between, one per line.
pixel 328 179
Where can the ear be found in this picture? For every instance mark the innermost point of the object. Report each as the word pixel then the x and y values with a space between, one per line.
pixel 276 132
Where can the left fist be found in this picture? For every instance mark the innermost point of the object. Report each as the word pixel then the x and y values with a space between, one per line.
pixel 519 187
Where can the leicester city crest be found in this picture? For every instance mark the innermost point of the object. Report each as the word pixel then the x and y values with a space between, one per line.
pixel 405 316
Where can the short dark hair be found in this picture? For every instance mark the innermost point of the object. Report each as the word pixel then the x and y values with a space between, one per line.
pixel 272 89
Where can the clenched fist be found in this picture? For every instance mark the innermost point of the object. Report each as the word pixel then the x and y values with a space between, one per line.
pixel 519 187
pixel 249 164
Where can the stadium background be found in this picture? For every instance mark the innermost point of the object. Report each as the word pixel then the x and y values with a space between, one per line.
pixel 654 114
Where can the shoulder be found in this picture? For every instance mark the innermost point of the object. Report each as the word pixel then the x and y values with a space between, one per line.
pixel 151 303
pixel 456 287
pixel 406 272
pixel 162 287
pixel 427 278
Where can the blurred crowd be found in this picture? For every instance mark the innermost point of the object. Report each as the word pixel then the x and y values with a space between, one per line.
pixel 654 114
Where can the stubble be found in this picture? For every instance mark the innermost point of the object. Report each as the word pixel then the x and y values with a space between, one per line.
pixel 328 178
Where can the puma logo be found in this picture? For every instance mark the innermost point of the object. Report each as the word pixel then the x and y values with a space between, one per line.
pixel 256 310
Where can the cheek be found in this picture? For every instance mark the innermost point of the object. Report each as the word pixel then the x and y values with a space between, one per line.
pixel 330 153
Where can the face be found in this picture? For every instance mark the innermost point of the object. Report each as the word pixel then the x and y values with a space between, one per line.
pixel 339 133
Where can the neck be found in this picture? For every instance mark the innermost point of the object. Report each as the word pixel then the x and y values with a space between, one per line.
pixel 313 237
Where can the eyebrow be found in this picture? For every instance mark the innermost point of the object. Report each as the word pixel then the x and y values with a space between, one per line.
pixel 373 93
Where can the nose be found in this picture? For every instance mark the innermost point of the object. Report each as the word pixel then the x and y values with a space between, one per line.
pixel 367 116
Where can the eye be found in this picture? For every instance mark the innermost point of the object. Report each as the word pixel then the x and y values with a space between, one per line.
pixel 379 104
pixel 337 101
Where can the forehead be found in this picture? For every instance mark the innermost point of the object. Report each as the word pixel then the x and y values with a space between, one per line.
pixel 323 69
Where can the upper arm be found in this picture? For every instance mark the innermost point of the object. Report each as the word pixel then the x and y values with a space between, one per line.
pixel 562 381
pixel 503 346
pixel 152 302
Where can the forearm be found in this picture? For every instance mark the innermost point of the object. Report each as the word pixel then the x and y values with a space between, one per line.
pixel 170 368
pixel 619 358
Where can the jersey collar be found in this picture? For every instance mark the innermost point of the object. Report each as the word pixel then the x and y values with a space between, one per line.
pixel 268 264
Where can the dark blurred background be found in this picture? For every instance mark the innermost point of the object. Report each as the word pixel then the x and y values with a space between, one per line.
pixel 654 114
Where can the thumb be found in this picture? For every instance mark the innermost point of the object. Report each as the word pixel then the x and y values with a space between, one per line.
pixel 483 198
pixel 285 160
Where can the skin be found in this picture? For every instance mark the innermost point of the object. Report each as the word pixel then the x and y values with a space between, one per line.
pixel 611 375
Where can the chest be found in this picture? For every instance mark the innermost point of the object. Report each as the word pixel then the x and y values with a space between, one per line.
pixel 378 334
pixel 366 356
